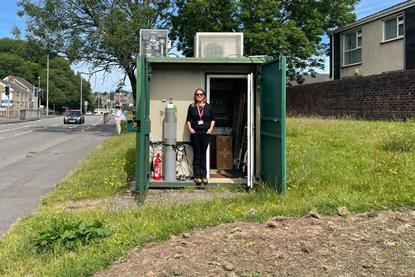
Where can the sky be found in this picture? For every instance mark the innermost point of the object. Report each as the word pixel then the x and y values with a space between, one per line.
pixel 108 81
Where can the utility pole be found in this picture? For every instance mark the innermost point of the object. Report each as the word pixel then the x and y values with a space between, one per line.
pixel 98 100
pixel 38 93
pixel 80 74
pixel 47 87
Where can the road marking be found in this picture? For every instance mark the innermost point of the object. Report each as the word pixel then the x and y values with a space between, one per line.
pixel 29 124
pixel 23 133
pixel 2 131
pixel 38 149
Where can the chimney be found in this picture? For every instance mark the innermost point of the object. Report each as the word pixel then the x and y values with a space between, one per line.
pixel 10 77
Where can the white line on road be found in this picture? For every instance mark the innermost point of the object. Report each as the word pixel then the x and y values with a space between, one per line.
pixel 2 131
pixel 23 133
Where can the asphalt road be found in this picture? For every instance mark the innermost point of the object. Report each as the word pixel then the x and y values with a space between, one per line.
pixel 35 156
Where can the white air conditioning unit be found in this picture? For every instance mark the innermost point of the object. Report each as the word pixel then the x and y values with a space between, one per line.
pixel 219 45
pixel 154 42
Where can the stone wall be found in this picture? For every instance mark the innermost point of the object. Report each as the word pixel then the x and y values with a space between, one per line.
pixel 385 96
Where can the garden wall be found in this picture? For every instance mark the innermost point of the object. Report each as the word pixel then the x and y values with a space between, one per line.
pixel 384 96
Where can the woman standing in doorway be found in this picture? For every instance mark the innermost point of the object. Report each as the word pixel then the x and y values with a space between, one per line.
pixel 200 122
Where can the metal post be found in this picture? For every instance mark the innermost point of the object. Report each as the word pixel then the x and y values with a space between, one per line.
pixel 8 106
pixel 33 98
pixel 80 106
pixel 38 96
pixel 47 87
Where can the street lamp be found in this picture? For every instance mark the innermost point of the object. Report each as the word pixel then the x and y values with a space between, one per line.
pixel 80 74
pixel 47 88
pixel 80 104
pixel 38 93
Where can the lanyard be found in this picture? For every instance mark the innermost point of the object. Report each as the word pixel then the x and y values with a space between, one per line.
pixel 200 111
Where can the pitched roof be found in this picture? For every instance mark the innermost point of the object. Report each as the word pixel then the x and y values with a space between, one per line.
pixel 308 79
pixel 14 86
pixel 383 13
pixel 23 83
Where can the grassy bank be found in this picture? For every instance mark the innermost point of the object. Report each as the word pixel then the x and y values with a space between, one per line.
pixel 105 172
pixel 331 163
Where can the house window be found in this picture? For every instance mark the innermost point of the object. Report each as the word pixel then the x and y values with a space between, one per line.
pixel 393 28
pixel 352 47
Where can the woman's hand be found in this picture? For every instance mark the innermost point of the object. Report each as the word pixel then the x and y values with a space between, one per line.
pixel 209 131
pixel 191 130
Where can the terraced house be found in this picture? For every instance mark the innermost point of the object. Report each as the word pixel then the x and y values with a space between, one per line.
pixel 19 102
pixel 382 42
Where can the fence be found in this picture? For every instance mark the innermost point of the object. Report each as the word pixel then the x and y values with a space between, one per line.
pixel 385 96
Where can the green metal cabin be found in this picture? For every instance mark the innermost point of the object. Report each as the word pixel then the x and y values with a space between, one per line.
pixel 260 78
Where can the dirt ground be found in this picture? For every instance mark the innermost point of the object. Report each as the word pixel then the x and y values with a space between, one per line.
pixel 370 244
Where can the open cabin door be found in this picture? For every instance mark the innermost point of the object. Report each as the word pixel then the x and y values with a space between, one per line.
pixel 143 126
pixel 273 112
pixel 250 120
pixel 250 131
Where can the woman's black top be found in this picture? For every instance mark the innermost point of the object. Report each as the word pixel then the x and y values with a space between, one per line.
pixel 194 118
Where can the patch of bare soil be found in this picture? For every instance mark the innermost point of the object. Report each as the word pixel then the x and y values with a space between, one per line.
pixel 370 244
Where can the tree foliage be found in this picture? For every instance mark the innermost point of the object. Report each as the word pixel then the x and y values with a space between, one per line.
pixel 104 34
pixel 27 59
pixel 272 27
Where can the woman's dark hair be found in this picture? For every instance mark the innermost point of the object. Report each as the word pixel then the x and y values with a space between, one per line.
pixel 194 96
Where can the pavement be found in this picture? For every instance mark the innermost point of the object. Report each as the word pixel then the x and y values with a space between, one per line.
pixel 35 156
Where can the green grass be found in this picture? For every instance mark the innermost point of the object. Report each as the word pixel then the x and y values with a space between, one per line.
pixel 331 163
pixel 107 171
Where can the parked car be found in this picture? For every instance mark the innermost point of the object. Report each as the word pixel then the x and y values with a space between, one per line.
pixel 74 116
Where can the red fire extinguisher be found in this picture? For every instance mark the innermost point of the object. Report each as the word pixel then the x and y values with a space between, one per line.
pixel 157 168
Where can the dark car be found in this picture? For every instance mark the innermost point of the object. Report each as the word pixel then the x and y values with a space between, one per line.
pixel 74 116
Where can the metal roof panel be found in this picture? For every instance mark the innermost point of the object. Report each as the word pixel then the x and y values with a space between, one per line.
pixel 211 60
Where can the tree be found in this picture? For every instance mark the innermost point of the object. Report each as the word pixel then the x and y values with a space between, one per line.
pixel 28 60
pixel 205 16
pixel 293 28
pixel 104 34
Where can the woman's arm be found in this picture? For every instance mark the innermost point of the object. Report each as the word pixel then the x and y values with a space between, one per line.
pixel 212 125
pixel 189 126
pixel 212 122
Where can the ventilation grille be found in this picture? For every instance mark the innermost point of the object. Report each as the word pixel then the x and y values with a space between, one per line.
pixel 219 45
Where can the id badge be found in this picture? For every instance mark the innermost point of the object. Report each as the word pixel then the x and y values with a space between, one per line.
pixel 200 122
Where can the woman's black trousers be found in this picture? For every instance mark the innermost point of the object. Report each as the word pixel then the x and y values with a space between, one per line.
pixel 200 144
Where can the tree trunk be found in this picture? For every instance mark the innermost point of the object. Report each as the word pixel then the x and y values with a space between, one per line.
pixel 133 81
